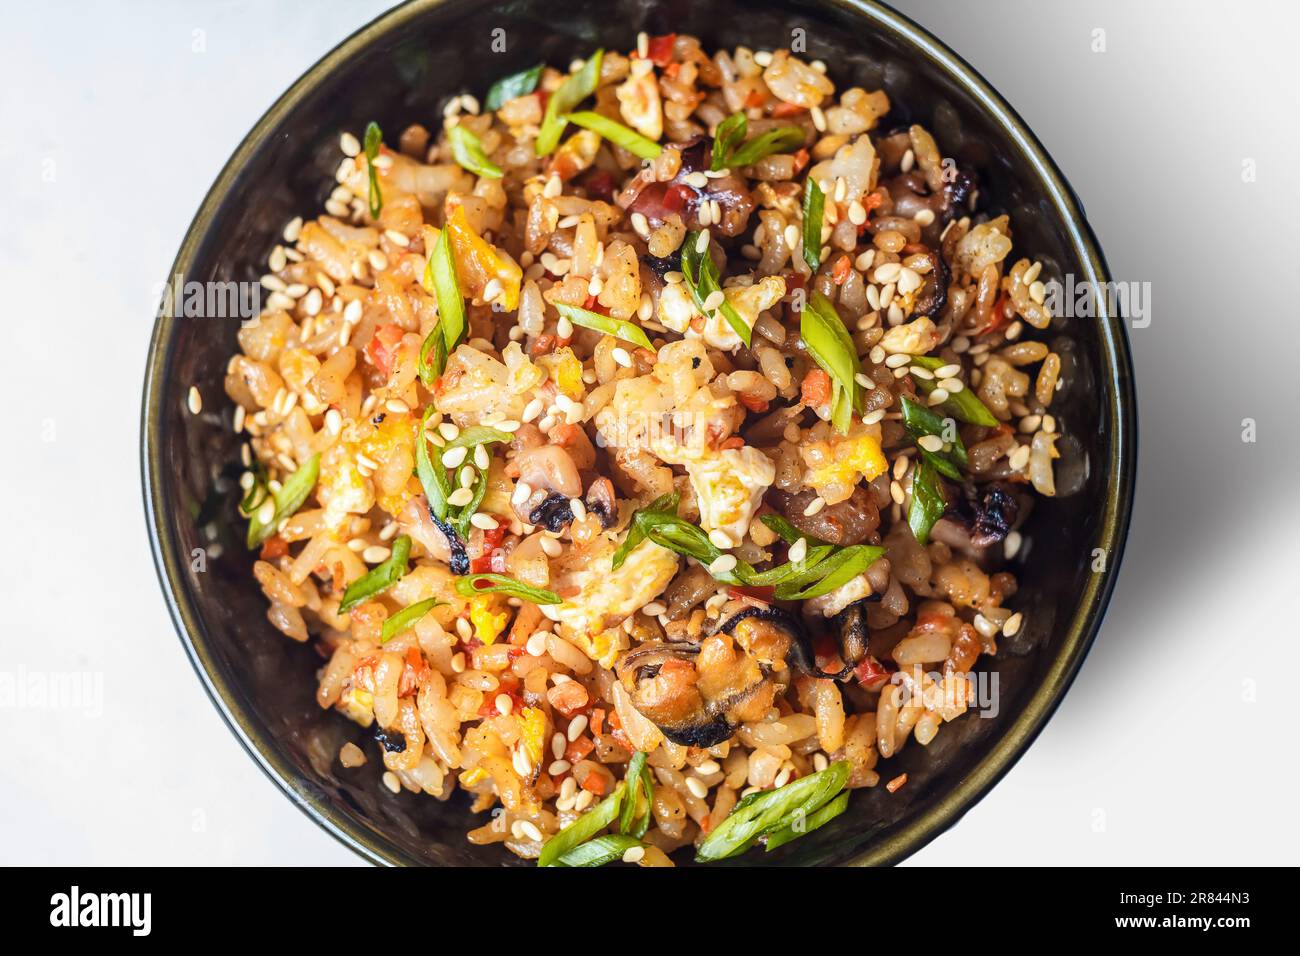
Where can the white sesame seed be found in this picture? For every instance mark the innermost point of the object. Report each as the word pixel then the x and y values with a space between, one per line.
pixel 621 356
pixel 937 397
pixel 482 458
pixel 654 609
pixel 460 497
pixel 551 547
pixel 871 418
pixel 397 407
pixel 533 409
pixel 909 158
pixel 454 457
pixel 924 216
pixel 697 787
pixel 1019 458
pixel 930 443
pixel 721 539
pixel 558 767
pixel 1012 626
pixel 799 550
pixel 723 565
pixel 292 229
pixel 952 385
pixel 350 145
pixel 391 781
pixel 814 506
pixel 557 745
pixel 578 508
pixel 504 704
pixel 194 400
pixel 897 360
pixel 896 492
pixel 536 645
pixel 564 328
pixel 714 300
pixel 483 520
pixel 1014 541
pixel 887 272
pixel 634 854
pixel 375 554
pixel 763 58
pixel 522 490
pixel 529 829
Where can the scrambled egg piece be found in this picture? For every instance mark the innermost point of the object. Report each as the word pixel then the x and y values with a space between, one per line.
pixel 836 466
pixel 638 100
pixel 677 310
pixel 342 489
pixel 488 614
pixel 605 597
pixel 729 486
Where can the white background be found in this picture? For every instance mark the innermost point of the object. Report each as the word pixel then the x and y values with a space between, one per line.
pixel 1176 744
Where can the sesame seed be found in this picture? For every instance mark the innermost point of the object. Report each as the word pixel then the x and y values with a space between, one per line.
pixel 633 854
pixel 714 300
pixel 551 547
pixel 293 229
pixel 483 520
pixel 702 242
pixel 723 564
pixel 871 418
pixel 900 466
pixel 536 645
pixel 896 492
pixel 564 328
pixel 391 782
pixel 763 58
pixel 708 767
pixel 791 236
pixel 887 272
pixel 952 385
pixel 697 787
pixel 1012 627
pixel 522 490
pixel 653 609
pixel 375 554
pixel 557 745
pixel 454 457
pixel 948 371
pixel 798 550
pixel 1014 540
pixel 721 539
pixel 521 763
pixel 529 829
pixel 397 406
pixel 533 409
pixel 862 379
pixel 814 506
pixel 897 360
pixel 909 158
pixel 558 767
pixel 460 497
pixel 930 442
pixel 819 119
pixel 1019 458
pixel 640 224
pixel 194 400
pixel 482 458
pixel 924 216
pixel 578 508
pixel 504 704
pixel 622 357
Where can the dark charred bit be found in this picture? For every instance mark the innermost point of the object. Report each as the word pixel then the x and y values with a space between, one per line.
pixel 708 733
pixel 661 266
pixel 393 742
pixel 601 502
pixel 553 514
pixel 989 512
pixel 934 293
pixel 459 562
pixel 957 193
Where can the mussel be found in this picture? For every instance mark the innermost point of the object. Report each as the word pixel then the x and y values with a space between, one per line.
pixel 698 694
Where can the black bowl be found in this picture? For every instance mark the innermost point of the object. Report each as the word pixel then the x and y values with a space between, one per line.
pixel 400 69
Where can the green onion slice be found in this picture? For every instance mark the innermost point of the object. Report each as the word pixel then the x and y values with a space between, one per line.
pixel 288 500
pixel 928 501
pixel 791 570
pixel 730 133
pixel 478 435
pixel 599 851
pixel 700 273
pixel 373 138
pixel 964 406
pixel 814 204
pixel 921 421
pixel 676 534
pixel 819 818
pixel 783 139
pixel 440 281
pixel 406 617
pixel 380 578
pixel 257 491
pixel 433 478
pixel 468 586
pixel 769 810
pixel 616 133
pixel 582 829
pixel 433 356
pixel 575 88
pixel 830 573
pixel 467 149
pixel 461 520
pixel 512 87
pixel 788 532
pixel 636 781
pixel 636 530
pixel 831 347
pixel 603 323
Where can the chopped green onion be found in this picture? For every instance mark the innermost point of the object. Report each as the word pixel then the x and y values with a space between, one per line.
pixel 964 406
pixel 783 139
pixel 603 323
pixel 799 569
pixel 729 134
pixel 575 88
pixel 373 139
pixel 921 421
pixel 770 810
pixel 433 356
pixel 819 818
pixel 467 586
pixel 637 780
pixel 599 851
pixel 467 150
pixel 478 435
pixel 928 501
pixel 616 133
pixel 828 342
pixel 512 87
pixel 461 521
pixel 788 532
pixel 582 829
pixel 700 274
pixel 433 478
pixel 380 578
pixel 288 500
pixel 406 617
pixel 675 534
pixel 636 530
pixel 257 491
pixel 830 573
pixel 814 204
pixel 441 282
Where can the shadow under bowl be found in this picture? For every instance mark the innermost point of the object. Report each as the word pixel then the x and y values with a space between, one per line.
pixel 401 69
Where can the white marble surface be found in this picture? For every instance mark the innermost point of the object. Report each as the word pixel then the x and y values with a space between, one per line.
pixel 1172 746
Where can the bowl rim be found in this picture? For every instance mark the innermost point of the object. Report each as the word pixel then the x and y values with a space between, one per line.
pixel 1120 419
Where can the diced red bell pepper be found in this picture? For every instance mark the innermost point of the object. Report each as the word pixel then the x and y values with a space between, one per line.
pixel 660 51
pixel 382 347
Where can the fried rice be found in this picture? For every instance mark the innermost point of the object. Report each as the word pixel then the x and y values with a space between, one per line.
pixel 671 410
